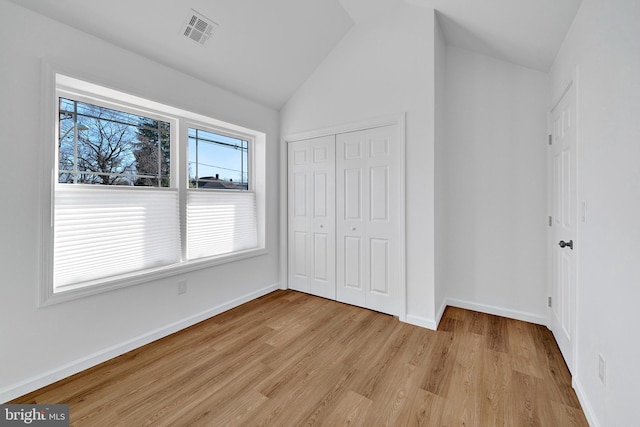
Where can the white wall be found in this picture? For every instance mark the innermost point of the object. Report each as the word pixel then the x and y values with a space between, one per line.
pixel 494 178
pixel 39 345
pixel 604 44
pixel 378 69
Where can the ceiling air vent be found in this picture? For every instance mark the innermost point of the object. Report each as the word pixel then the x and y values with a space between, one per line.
pixel 198 28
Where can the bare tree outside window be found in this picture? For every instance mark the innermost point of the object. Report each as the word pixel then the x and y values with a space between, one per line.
pixel 99 145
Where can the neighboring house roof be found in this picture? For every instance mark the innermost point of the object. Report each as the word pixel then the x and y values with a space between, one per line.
pixel 211 182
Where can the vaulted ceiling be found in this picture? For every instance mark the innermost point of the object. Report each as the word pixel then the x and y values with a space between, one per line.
pixel 265 49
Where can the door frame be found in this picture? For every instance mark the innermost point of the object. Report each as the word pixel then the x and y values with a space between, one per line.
pixel 569 84
pixel 389 120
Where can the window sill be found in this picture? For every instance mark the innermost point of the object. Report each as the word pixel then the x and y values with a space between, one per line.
pixel 81 290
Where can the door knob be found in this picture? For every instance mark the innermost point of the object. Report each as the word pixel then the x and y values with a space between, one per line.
pixel 562 244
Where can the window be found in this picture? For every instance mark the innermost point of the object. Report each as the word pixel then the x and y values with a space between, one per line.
pixel 143 190
pixel 217 161
pixel 99 145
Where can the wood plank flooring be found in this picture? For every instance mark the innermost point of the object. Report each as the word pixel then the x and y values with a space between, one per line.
pixel 291 359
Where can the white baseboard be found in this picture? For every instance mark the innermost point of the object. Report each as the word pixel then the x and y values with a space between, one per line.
pixel 421 321
pixel 46 378
pixel 483 308
pixel 440 312
pixel 585 403
pixel 498 311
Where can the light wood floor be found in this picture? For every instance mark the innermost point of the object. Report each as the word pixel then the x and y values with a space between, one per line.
pixel 291 359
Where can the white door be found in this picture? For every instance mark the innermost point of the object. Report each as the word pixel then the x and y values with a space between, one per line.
pixel 311 210
pixel 563 220
pixel 367 228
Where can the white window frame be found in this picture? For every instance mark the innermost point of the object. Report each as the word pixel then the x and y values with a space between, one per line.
pixel 225 132
pixel 187 124
pixel 65 91
pixel 61 82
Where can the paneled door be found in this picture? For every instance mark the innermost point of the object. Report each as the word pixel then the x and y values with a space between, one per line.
pixel 563 224
pixel 311 210
pixel 367 221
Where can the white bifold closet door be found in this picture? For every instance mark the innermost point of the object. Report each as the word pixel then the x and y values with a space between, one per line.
pixel 367 226
pixel 312 221
pixel 344 229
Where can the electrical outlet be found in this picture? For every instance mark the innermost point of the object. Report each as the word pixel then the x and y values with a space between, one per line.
pixel 602 369
pixel 182 287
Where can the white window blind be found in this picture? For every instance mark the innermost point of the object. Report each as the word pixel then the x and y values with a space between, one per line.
pixel 220 222
pixel 100 232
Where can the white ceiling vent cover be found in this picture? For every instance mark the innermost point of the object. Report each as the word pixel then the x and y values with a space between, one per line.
pixel 198 28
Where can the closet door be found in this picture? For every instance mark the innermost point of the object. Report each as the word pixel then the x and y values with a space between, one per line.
pixel 367 227
pixel 311 210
